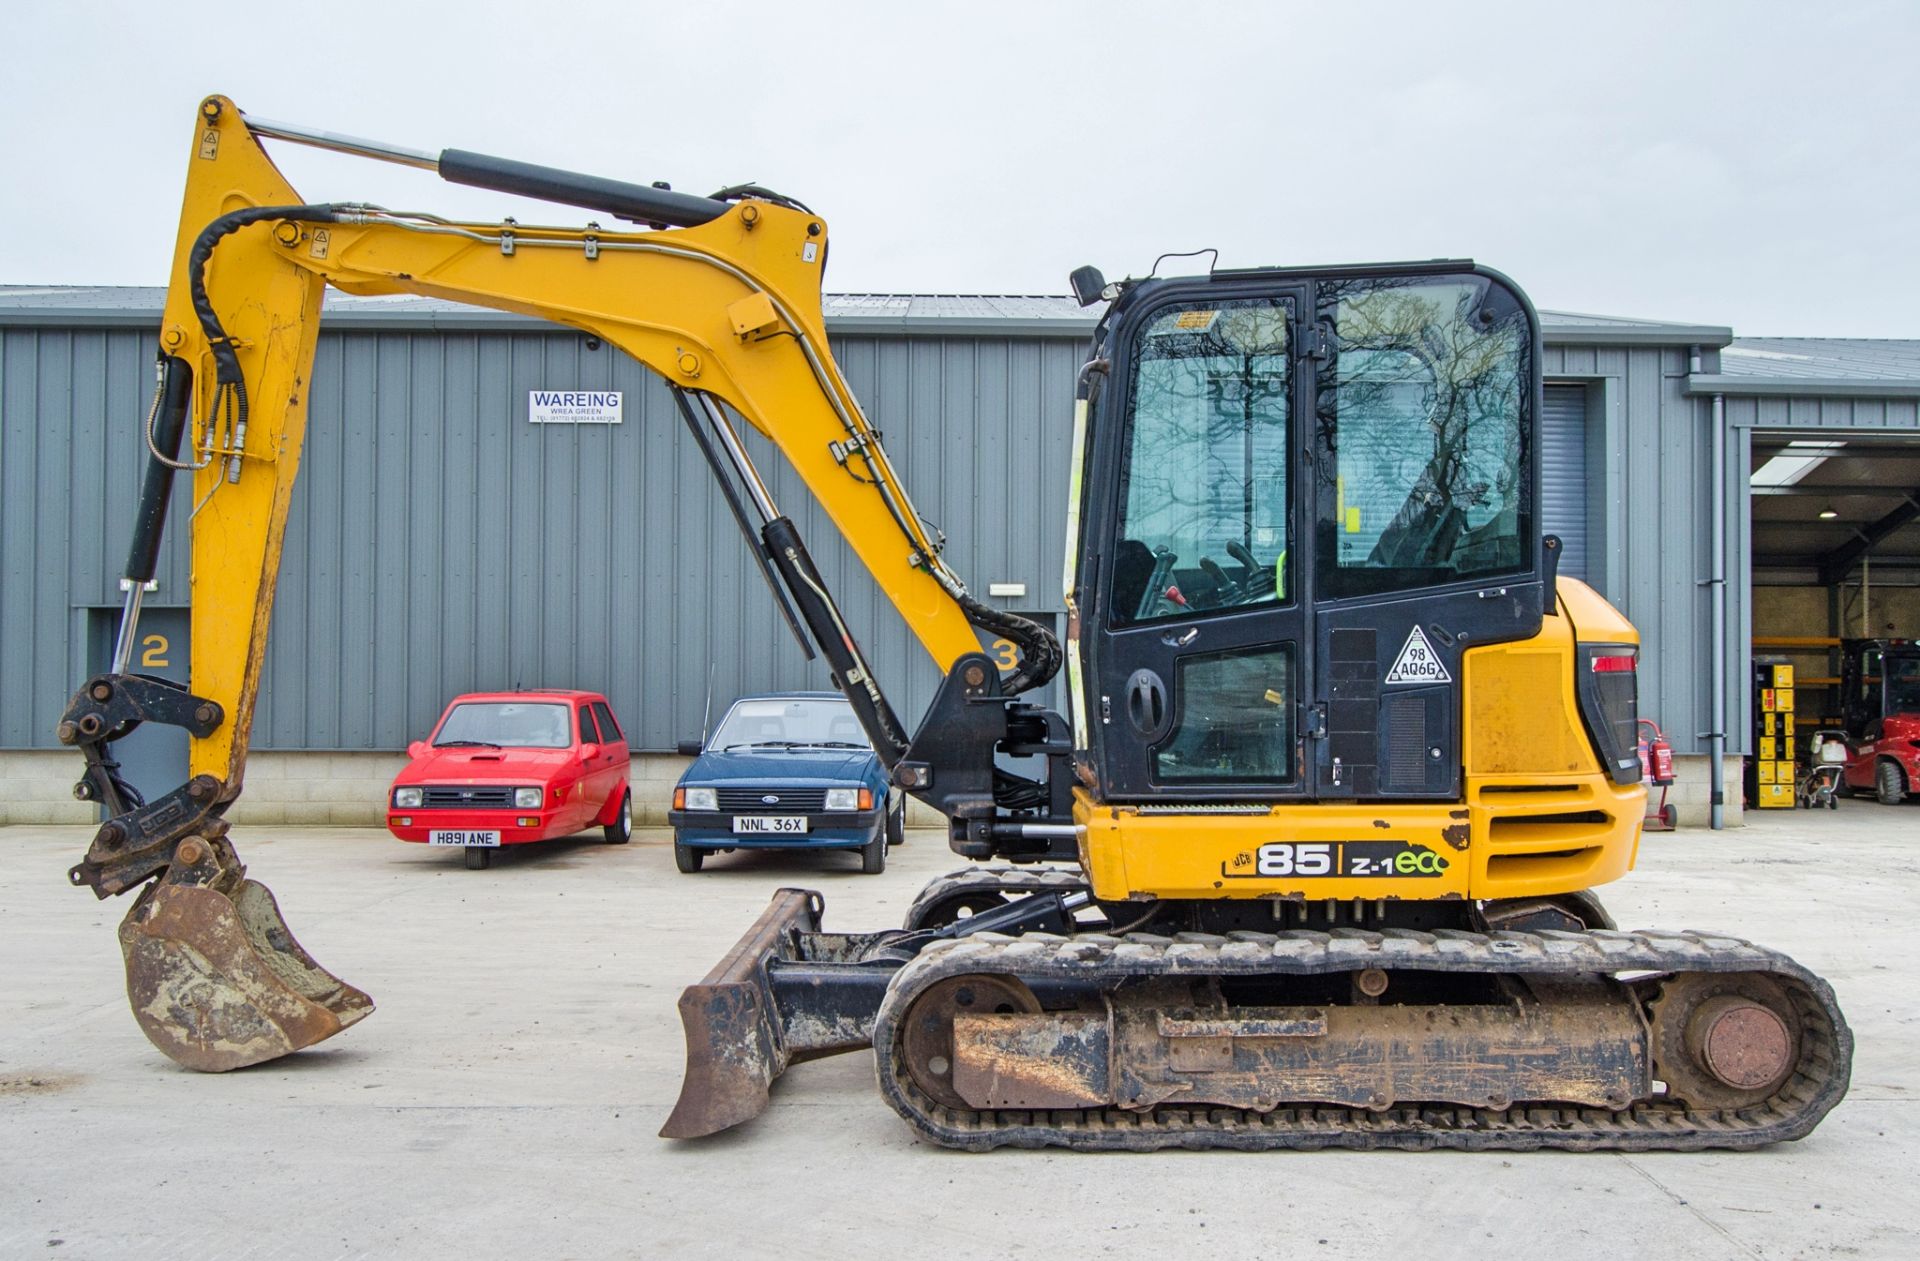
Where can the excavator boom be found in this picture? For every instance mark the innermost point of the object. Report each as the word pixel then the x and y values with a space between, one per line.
pixel 718 296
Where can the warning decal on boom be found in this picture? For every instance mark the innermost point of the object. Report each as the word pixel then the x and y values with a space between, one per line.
pixel 1418 663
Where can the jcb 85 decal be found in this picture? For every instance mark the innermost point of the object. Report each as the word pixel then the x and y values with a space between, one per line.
pixel 1337 858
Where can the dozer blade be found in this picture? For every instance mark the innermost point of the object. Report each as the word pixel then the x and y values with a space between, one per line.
pixel 219 983
pixel 786 992
pixel 735 1046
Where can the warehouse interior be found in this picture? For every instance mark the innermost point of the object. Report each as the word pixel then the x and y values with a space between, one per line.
pixel 1836 552
pixel 1836 542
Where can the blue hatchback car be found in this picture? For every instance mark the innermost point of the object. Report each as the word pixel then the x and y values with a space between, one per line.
pixel 787 770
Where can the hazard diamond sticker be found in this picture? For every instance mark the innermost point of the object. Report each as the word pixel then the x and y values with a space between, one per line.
pixel 1418 662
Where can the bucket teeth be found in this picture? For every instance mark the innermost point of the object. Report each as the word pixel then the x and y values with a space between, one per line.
pixel 219 983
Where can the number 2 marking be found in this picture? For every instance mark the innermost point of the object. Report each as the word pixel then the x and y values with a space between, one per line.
pixel 153 653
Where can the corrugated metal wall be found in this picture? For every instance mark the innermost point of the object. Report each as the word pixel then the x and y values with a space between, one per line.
pixel 1653 549
pixel 1563 474
pixel 71 406
pixel 439 542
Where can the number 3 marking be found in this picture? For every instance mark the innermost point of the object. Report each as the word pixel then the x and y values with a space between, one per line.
pixel 1006 653
pixel 154 651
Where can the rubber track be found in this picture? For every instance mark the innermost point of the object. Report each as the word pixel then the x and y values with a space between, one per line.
pixel 1016 881
pixel 1816 1084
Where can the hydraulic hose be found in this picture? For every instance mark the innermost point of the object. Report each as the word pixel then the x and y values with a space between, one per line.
pixel 1039 647
pixel 229 384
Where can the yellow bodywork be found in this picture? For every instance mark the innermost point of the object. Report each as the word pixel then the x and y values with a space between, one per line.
pixel 1541 815
pixel 731 308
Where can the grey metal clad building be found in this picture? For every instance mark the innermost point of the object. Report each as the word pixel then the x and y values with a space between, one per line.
pixel 439 542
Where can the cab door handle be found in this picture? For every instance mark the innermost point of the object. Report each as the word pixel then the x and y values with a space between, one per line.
pixel 1147 706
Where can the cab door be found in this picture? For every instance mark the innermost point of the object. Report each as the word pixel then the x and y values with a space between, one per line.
pixel 1201 644
pixel 1426 400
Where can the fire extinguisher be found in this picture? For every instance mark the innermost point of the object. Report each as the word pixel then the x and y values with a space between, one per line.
pixel 1656 755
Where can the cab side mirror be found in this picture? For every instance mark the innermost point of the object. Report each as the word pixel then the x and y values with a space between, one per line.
pixel 419 749
pixel 589 750
pixel 688 748
pixel 1089 286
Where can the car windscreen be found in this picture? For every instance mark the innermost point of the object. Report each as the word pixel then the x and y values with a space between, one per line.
pixel 506 725
pixel 778 723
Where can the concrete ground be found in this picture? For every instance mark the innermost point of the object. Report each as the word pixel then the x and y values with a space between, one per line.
pixel 503 1099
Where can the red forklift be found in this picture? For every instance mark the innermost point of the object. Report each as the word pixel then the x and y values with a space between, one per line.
pixel 1880 705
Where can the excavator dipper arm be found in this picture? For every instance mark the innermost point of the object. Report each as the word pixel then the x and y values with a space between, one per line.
pixel 719 297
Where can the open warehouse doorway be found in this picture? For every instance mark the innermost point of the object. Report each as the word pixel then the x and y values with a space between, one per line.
pixel 1835 547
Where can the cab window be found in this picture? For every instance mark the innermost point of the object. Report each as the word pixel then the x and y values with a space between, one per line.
pixel 1423 403
pixel 1206 500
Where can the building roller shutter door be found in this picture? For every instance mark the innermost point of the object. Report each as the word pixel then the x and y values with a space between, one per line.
pixel 1563 474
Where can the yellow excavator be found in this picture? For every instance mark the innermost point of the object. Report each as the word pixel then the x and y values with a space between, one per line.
pixel 1308 860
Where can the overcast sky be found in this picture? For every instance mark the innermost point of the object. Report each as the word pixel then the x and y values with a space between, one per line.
pixel 1751 164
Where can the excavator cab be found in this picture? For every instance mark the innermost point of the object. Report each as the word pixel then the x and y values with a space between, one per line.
pixel 1306 495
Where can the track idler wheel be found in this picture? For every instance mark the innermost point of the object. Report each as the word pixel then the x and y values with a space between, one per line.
pixel 928 1042
pixel 217 980
pixel 1725 1040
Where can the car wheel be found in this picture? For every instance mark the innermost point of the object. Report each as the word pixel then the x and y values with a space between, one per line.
pixel 897 822
pixel 873 855
pixel 479 858
pixel 686 857
pixel 620 831
pixel 1889 785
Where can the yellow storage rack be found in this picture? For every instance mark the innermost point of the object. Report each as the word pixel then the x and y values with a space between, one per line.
pixel 1770 772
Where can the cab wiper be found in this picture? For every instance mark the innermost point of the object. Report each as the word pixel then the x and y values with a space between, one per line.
pixel 466 744
pixel 836 744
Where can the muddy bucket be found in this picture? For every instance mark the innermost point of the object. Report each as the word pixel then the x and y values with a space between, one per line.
pixel 218 982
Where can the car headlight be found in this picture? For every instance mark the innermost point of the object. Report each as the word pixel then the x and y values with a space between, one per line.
pixel 408 798
pixel 702 799
pixel 526 798
pixel 843 798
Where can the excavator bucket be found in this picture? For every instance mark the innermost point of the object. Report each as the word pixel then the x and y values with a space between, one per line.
pixel 219 983
pixel 770 1003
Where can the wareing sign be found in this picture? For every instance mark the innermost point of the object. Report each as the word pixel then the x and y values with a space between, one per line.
pixel 574 407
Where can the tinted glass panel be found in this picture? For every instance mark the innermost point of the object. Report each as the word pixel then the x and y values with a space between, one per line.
pixel 587 734
pixel 1235 719
pixel 1204 515
pixel 1424 404
pixel 609 729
